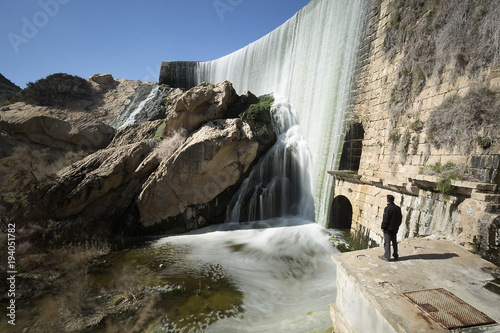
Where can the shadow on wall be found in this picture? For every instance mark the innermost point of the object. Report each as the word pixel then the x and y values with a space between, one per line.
pixel 340 213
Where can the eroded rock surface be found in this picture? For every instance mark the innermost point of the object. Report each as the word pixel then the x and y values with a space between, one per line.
pixel 148 177
pixel 198 105
pixel 210 161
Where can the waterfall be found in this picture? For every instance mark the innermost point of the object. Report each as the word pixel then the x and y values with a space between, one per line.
pixel 310 60
pixel 143 106
pixel 279 185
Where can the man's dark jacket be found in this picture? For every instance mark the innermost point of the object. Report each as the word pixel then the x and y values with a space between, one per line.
pixel 392 218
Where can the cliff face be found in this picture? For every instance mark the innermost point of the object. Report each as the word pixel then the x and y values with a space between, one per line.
pixel 427 99
pixel 180 171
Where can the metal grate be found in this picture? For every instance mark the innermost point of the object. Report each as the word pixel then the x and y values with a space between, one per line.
pixel 447 309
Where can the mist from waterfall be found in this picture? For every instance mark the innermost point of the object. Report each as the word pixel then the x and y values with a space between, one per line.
pixel 310 60
pixel 280 184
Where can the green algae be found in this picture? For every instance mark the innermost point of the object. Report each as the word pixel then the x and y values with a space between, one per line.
pixel 163 289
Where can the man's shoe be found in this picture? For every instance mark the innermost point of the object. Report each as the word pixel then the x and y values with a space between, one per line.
pixel 383 258
pixel 396 258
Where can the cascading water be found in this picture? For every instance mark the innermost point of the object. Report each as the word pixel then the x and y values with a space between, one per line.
pixel 272 273
pixel 144 102
pixel 279 185
pixel 310 60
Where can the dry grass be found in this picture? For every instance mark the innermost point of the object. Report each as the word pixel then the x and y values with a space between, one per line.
pixel 26 169
pixel 459 122
pixel 170 144
pixel 432 34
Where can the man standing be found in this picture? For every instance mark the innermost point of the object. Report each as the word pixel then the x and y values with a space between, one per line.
pixel 390 225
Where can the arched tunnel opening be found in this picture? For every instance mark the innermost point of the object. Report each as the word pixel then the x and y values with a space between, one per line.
pixel 340 213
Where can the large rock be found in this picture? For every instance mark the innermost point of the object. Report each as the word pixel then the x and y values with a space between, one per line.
pixel 57 128
pixel 102 79
pixel 212 160
pixel 199 105
pixel 102 184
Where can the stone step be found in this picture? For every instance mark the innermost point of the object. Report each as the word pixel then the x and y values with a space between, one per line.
pixel 486 197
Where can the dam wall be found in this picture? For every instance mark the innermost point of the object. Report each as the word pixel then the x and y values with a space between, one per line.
pixel 390 101
pixel 310 60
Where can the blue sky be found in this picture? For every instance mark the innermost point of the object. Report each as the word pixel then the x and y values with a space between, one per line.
pixel 128 39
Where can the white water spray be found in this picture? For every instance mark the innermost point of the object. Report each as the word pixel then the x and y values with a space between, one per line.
pixel 280 184
pixel 137 108
pixel 285 288
pixel 310 60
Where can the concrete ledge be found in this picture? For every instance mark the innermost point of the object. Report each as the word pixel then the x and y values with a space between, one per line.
pixel 460 187
pixel 369 289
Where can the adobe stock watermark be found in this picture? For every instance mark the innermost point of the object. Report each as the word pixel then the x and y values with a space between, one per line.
pixel 223 6
pixel 152 74
pixel 31 27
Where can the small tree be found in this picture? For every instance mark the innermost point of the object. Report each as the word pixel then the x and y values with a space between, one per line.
pixel 56 90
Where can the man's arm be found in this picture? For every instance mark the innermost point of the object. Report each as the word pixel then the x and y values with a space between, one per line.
pixel 385 219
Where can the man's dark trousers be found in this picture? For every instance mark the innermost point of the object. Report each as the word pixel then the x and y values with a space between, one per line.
pixel 388 238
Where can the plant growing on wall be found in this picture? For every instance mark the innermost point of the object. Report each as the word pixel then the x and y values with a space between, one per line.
pixel 446 173
pixel 458 122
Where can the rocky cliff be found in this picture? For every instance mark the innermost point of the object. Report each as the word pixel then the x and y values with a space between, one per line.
pixel 176 172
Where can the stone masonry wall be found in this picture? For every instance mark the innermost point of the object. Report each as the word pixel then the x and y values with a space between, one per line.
pixel 468 214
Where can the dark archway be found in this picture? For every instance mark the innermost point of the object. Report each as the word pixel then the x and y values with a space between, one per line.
pixel 340 213
pixel 353 146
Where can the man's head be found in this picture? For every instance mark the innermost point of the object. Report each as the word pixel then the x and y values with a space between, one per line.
pixel 390 198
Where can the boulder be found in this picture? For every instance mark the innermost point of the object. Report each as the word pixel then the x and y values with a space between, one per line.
pixel 106 79
pixel 57 128
pixel 103 184
pixel 213 159
pixel 199 105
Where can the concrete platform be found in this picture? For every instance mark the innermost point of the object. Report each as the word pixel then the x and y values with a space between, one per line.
pixel 369 290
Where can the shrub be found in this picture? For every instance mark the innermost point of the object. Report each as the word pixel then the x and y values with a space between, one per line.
pixel 170 144
pixel 259 116
pixel 458 122
pixel 462 33
pixel 56 90
pixel 394 136
pixel 446 173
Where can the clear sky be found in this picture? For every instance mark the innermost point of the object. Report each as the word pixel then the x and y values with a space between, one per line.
pixel 128 39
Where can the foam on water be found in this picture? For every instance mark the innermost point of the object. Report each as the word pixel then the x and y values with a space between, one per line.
pixel 284 272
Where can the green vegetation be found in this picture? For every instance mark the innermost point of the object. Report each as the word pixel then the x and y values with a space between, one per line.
pixel 394 136
pixel 7 90
pixel 417 125
pixel 159 132
pixel 56 90
pixel 446 173
pixel 484 142
pixel 259 117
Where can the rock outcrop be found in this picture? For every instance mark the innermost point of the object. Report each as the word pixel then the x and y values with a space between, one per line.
pixel 55 129
pixel 210 161
pixel 102 184
pixel 150 178
pixel 198 105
